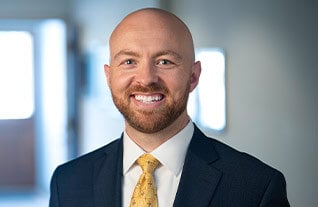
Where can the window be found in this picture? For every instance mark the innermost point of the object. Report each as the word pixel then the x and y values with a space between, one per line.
pixel 16 75
pixel 33 108
pixel 207 103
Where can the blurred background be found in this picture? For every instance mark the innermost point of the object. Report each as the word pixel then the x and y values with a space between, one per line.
pixel 55 104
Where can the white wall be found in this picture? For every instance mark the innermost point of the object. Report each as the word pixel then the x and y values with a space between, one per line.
pixel 272 73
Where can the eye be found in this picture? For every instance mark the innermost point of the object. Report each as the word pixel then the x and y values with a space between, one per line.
pixel 129 62
pixel 164 62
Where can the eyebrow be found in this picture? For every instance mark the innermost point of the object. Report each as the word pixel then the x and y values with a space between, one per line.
pixel 126 52
pixel 169 52
pixel 160 53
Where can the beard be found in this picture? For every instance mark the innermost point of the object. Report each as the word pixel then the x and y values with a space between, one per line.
pixel 151 121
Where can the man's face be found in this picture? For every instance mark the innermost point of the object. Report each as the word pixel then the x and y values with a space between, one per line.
pixel 150 75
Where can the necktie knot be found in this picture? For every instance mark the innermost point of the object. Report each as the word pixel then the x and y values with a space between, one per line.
pixel 148 163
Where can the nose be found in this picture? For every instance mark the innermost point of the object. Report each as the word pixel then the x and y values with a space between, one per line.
pixel 146 74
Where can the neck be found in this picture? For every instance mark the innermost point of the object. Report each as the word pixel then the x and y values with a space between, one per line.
pixel 149 142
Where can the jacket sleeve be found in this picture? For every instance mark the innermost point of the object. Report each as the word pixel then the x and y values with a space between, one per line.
pixel 275 194
pixel 54 198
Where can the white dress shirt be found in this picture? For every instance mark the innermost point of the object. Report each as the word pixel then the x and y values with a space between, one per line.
pixel 171 155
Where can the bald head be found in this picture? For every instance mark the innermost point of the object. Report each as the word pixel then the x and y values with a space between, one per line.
pixel 152 24
pixel 153 17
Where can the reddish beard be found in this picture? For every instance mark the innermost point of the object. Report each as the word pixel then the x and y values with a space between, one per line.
pixel 156 120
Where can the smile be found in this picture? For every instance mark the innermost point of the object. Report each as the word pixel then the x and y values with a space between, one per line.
pixel 149 99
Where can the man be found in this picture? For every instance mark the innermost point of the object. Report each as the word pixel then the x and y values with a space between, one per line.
pixel 151 73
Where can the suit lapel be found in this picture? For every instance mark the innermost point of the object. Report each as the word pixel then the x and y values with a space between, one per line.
pixel 199 178
pixel 198 181
pixel 107 181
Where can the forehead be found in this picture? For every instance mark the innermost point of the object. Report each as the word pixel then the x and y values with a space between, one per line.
pixel 151 31
pixel 141 39
pixel 145 36
pixel 148 25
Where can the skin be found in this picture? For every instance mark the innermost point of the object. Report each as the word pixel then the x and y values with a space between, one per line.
pixel 150 75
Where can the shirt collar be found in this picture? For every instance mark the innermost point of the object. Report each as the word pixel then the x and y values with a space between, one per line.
pixel 170 154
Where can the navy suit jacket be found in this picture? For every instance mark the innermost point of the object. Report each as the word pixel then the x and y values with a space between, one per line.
pixel 214 174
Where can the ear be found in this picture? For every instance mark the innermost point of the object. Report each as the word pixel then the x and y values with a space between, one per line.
pixel 107 72
pixel 195 75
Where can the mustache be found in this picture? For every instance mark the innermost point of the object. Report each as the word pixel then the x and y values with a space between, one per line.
pixel 151 88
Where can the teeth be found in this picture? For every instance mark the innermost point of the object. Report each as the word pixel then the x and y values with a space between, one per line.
pixel 148 99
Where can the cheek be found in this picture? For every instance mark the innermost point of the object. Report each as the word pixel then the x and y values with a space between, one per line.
pixel 178 85
pixel 119 81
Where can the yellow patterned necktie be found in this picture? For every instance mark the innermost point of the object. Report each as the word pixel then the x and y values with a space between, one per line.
pixel 145 192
